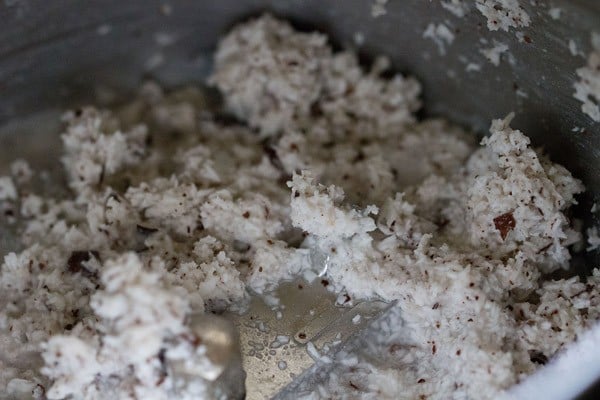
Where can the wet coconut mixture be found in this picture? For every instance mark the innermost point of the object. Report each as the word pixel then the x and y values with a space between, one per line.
pixel 177 208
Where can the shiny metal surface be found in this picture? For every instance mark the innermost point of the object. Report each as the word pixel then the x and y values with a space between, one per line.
pixel 220 340
pixel 274 334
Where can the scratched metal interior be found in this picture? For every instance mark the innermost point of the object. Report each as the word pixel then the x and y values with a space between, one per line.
pixel 55 54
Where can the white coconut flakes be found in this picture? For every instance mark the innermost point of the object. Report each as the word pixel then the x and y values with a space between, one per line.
pixel 175 210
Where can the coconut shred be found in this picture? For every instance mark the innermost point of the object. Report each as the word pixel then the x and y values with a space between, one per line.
pixel 177 207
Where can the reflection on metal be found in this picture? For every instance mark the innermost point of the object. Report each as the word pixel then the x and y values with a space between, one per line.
pixel 219 343
pixel 274 335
